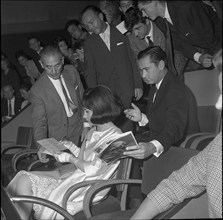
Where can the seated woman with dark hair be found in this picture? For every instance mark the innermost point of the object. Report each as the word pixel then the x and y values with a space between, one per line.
pixel 29 65
pixel 100 109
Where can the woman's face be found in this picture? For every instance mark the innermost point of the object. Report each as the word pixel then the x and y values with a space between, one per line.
pixel 80 54
pixel 4 65
pixel 87 115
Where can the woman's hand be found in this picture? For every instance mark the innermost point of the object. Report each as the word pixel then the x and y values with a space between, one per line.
pixel 63 157
pixel 71 147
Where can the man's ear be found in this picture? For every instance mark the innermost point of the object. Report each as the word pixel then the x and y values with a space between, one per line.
pixel 161 65
pixel 63 60
pixel 101 16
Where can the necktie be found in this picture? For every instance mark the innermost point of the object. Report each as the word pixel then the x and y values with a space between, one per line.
pixel 169 50
pixel 150 41
pixel 69 102
pixel 10 108
pixel 154 96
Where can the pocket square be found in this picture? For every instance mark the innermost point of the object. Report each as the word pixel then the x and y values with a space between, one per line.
pixel 120 43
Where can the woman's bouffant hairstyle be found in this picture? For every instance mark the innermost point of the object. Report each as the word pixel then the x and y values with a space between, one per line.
pixel 105 106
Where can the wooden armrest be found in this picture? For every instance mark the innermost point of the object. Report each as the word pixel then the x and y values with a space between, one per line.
pixel 74 188
pixel 88 198
pixel 44 202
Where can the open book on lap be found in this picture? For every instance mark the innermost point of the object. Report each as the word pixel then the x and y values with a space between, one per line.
pixel 113 151
pixel 52 146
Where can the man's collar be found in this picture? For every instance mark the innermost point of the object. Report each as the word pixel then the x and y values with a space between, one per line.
pixel 107 30
pixel 167 14
pixel 150 31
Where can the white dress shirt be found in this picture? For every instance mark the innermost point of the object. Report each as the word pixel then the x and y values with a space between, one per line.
pixel 105 36
pixel 57 85
pixel 150 34
pixel 12 106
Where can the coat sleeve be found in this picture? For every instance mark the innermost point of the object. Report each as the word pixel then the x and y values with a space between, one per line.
pixel 89 66
pixel 135 68
pixel 38 116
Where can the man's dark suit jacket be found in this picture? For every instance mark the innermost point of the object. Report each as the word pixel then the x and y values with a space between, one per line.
pixel 4 106
pixel 116 69
pixel 171 117
pixel 49 115
pixel 195 24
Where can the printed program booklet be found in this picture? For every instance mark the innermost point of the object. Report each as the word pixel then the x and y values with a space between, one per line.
pixel 113 151
pixel 52 146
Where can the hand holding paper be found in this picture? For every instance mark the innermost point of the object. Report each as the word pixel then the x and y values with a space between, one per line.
pixel 70 146
pixel 63 157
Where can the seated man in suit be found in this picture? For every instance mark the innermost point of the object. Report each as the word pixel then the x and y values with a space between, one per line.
pixel 169 116
pixel 11 103
pixel 195 28
pixel 202 172
pixel 145 33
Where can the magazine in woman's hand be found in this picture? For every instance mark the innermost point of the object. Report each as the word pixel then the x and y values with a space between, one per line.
pixel 52 146
pixel 115 148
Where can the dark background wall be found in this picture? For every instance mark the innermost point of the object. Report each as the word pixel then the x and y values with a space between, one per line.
pixel 44 19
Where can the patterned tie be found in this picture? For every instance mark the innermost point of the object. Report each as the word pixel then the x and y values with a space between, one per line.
pixel 169 50
pixel 10 108
pixel 69 102
pixel 150 41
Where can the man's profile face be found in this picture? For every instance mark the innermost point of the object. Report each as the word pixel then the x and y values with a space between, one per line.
pixel 140 30
pixel 149 9
pixel 149 71
pixel 74 31
pixel 53 65
pixel 93 22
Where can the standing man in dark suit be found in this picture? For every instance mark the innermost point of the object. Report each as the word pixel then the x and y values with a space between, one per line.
pixel 10 103
pixel 195 28
pixel 55 99
pixel 168 116
pixel 144 33
pixel 109 60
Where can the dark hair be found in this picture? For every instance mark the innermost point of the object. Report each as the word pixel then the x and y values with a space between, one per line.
pixel 132 17
pixel 58 39
pixel 79 44
pixel 26 86
pixel 105 106
pixel 50 50
pixel 21 53
pixel 72 22
pixel 155 53
pixel 91 8
pixel 33 37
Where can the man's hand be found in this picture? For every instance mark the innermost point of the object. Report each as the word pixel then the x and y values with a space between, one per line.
pixel 138 93
pixel 133 114
pixel 140 151
pixel 205 60
pixel 42 156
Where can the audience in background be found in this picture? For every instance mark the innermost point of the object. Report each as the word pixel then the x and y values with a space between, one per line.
pixel 78 48
pixel 112 14
pixel 145 33
pixel 36 47
pixel 124 5
pixel 109 61
pixel 68 53
pixel 24 91
pixel 11 103
pixel 76 31
pixel 9 75
pixel 196 29
pixel 29 65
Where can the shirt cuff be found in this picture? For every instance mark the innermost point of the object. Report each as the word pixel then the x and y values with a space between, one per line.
pixel 197 56
pixel 86 125
pixel 159 148
pixel 144 120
